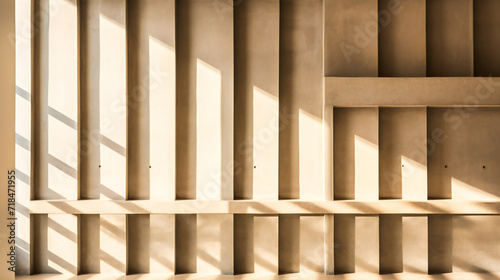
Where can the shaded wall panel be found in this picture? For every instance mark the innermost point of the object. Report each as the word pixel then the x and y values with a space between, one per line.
pixel 464 153
pixel 266 244
pixel 138 240
pixel 161 243
pixel 366 254
pixel 415 240
pixel 351 38
pixel 476 250
pixel 449 38
pixel 89 244
pixel 185 244
pixel 289 244
pixel 344 236
pixel 401 45
pixel 440 250
pixel 256 99
pixel 486 38
pixel 205 93
pixel 391 247
pixel 312 244
pixel 244 244
pixel 112 100
pixel 151 86
pixel 56 108
pixel 113 239
pixel 214 241
pixel 356 152
pixel 403 153
pixel 301 102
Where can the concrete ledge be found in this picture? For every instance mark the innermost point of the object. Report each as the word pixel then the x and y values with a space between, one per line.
pixel 268 207
pixel 455 91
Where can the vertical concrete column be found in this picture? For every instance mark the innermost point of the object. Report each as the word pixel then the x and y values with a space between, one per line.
pixel 266 244
pixel 205 63
pixel 23 136
pixel 403 153
pixel 351 38
pixel 162 243
pixel 301 100
pixel 62 243
pixel 113 99
pixel 56 109
pixel 450 41
pixel 415 242
pixel 113 239
pixel 366 244
pixel 214 241
pixel 256 25
pixel 356 147
pixel 151 97
pixel 312 244
pixel 401 45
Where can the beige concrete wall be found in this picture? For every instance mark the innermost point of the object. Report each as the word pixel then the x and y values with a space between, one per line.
pixel 256 137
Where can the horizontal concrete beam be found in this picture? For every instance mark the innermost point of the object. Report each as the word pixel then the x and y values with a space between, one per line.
pixel 456 91
pixel 269 207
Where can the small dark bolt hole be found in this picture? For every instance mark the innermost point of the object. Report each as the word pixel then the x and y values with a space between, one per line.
pixel 446 166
